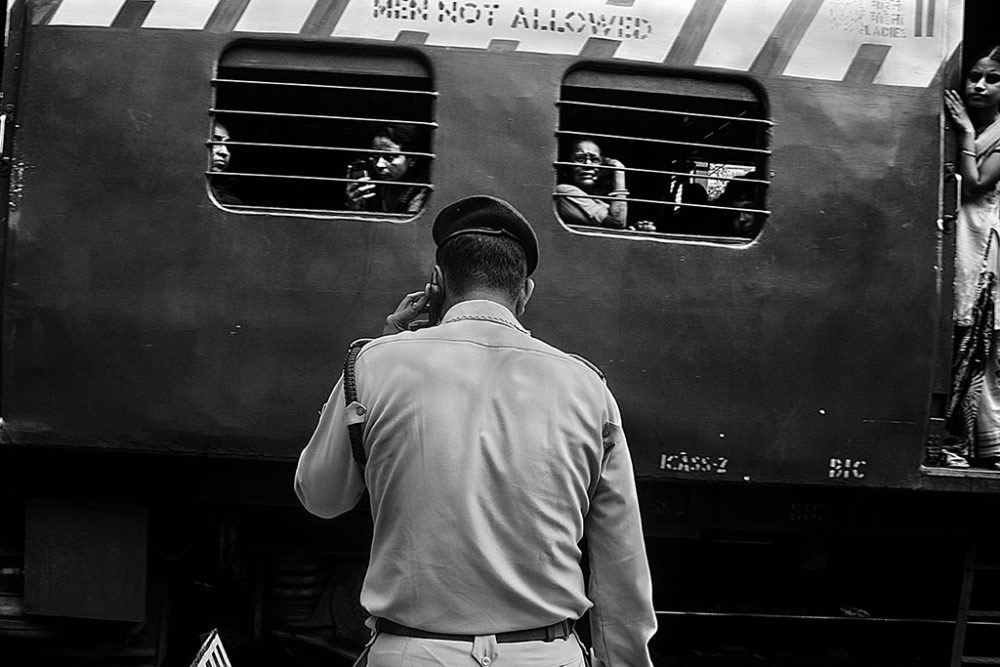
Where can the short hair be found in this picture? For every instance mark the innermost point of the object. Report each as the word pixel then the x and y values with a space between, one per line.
pixel 405 136
pixel 408 138
pixel 564 174
pixel 484 260
pixel 576 141
pixel 993 53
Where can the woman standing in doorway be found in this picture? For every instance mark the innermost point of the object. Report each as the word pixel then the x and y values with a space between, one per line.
pixel 974 408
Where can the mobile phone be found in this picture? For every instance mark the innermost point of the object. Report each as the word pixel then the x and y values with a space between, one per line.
pixel 435 297
pixel 358 169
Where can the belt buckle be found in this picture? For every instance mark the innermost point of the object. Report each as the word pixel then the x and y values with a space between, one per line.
pixel 552 630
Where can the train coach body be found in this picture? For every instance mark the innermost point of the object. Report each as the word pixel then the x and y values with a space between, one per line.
pixel 171 328
pixel 140 315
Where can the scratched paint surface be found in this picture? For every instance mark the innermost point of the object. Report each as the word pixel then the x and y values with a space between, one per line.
pixel 888 42
pixel 912 31
pixel 205 331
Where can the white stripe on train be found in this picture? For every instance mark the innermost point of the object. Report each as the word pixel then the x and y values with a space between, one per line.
pixel 270 16
pixel 86 12
pixel 826 51
pixel 740 32
pixel 180 14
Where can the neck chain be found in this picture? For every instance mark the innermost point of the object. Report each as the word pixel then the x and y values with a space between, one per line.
pixel 488 318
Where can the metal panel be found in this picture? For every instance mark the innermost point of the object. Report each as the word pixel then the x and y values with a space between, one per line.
pixel 161 323
pixel 85 559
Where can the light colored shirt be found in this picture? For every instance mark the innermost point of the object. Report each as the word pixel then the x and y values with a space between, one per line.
pixel 579 208
pixel 490 455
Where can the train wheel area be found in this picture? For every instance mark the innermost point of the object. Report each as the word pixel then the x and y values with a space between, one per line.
pixel 743 575
pixel 793 576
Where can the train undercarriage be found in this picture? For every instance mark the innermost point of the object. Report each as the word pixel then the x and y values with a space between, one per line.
pixel 743 574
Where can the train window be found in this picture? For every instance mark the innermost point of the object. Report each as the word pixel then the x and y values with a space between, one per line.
pixel 321 132
pixel 662 155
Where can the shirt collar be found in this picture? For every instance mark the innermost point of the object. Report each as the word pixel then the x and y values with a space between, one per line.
pixel 482 309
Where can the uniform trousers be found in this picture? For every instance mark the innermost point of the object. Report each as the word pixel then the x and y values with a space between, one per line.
pixel 397 651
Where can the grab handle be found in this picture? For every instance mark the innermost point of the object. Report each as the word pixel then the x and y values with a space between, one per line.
pixel 946 223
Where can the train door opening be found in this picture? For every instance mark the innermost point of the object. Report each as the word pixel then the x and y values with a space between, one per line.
pixel 980 32
pixel 981 28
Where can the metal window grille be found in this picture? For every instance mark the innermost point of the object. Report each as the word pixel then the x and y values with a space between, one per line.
pixel 296 120
pixel 695 152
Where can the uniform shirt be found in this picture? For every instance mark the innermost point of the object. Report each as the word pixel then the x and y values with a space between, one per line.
pixel 490 455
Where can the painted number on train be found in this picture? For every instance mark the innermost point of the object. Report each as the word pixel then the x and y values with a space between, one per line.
pixel 684 462
pixel 847 468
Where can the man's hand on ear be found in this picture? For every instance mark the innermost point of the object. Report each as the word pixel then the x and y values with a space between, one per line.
pixel 409 309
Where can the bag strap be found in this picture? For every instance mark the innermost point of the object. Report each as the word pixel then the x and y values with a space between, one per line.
pixel 355 429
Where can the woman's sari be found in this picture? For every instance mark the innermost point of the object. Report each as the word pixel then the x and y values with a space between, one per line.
pixel 973 414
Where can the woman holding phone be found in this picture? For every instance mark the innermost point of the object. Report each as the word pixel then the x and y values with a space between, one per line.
pixel 374 188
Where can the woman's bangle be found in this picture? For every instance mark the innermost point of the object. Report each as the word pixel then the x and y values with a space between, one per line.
pixel 969 153
pixel 615 193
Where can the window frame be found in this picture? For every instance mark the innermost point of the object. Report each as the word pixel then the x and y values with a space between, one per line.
pixel 667 82
pixel 320 70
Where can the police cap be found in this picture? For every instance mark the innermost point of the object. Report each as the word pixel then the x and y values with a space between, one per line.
pixel 482 214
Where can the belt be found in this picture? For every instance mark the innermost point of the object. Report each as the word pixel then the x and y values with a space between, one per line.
pixel 549 633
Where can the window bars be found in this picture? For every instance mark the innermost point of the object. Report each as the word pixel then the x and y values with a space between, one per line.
pixel 693 152
pixel 292 122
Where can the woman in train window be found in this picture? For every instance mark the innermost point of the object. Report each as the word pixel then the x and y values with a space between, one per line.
pixel 740 195
pixel 225 188
pixel 584 178
pixel 974 408
pixel 389 165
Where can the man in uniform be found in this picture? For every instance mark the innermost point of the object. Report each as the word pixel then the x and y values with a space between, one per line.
pixel 490 456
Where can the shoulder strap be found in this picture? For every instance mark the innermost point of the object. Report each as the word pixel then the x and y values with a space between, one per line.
pixel 355 429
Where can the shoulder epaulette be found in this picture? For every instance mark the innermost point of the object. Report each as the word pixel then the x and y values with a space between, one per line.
pixel 590 365
pixel 355 429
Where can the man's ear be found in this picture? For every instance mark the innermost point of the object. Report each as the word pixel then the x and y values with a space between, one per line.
pixel 529 289
pixel 437 277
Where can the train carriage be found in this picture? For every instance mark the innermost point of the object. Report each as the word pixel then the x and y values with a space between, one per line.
pixel 170 329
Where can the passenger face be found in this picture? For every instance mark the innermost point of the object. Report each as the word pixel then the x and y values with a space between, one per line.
pixel 982 85
pixel 390 165
pixel 220 152
pixel 745 220
pixel 585 154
